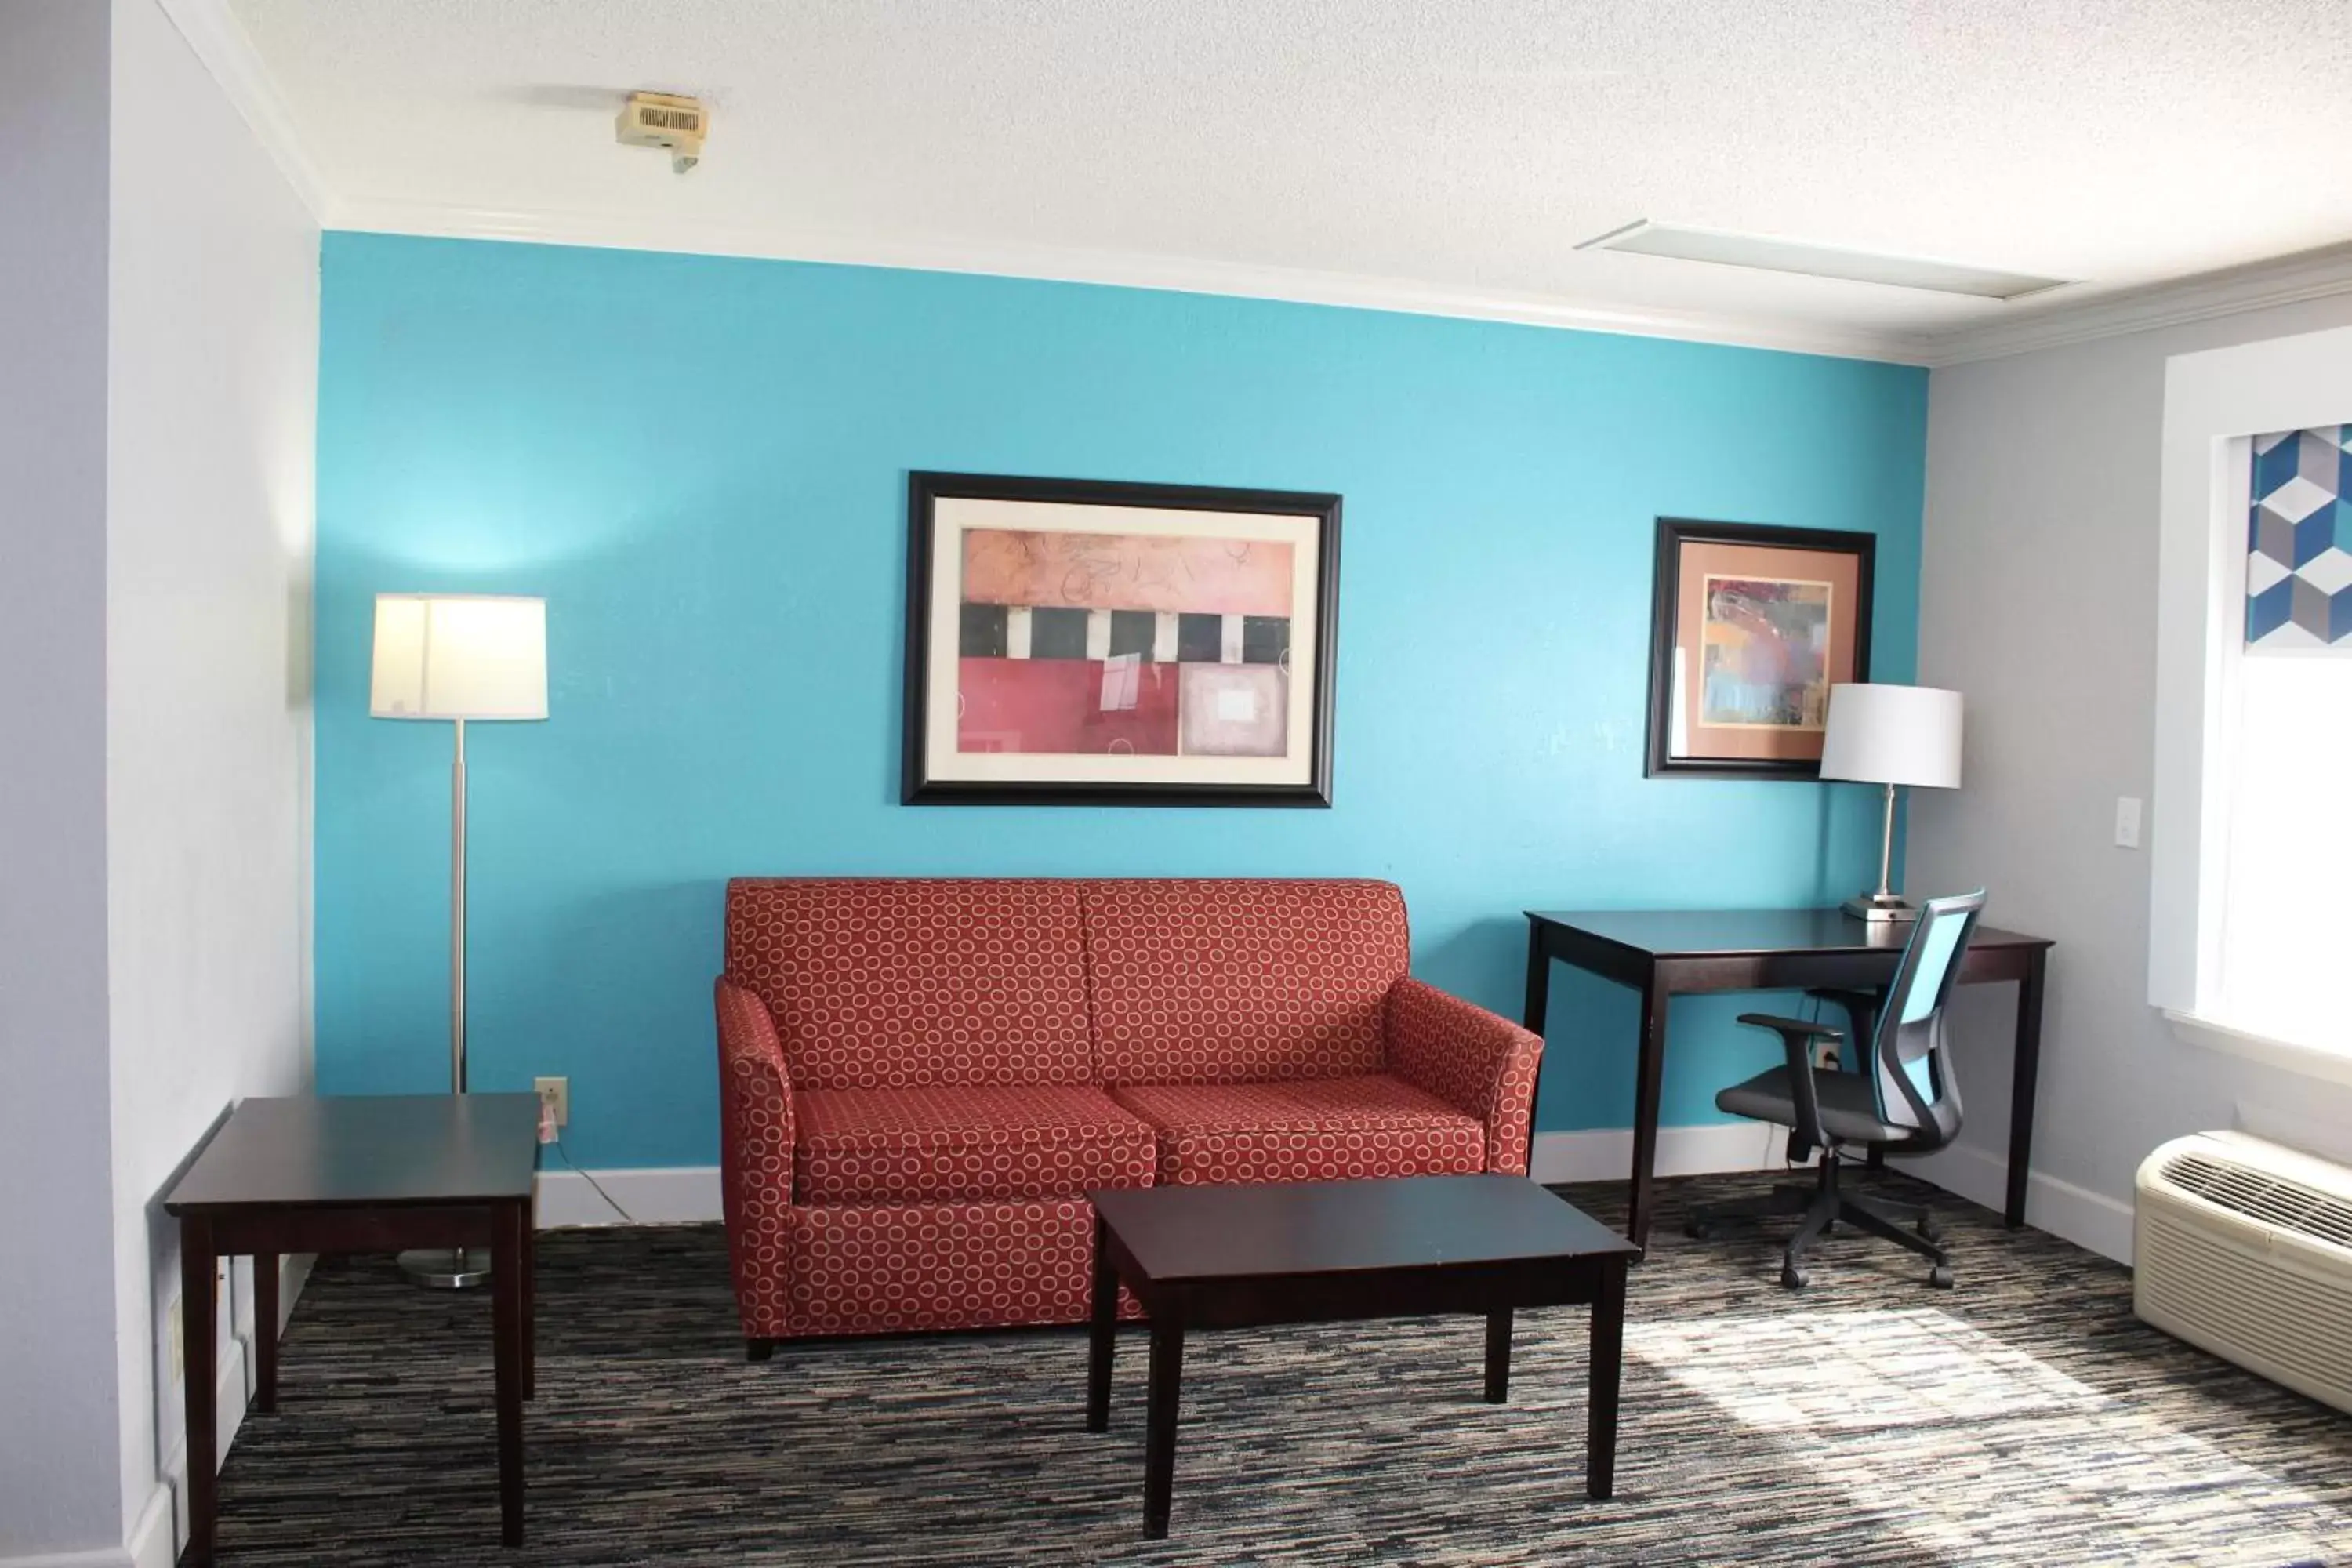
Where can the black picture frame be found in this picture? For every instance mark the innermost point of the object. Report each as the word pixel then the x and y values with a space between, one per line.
pixel 926 489
pixel 1674 533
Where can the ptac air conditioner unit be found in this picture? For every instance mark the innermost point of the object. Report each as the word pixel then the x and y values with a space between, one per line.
pixel 2244 1248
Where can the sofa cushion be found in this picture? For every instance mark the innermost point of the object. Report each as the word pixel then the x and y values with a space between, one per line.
pixel 904 983
pixel 1305 1130
pixel 968 1143
pixel 1239 981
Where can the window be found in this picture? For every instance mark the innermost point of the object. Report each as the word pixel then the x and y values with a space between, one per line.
pixel 2283 899
pixel 2251 928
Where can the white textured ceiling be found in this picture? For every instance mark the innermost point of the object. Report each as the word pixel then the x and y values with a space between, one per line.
pixel 1461 149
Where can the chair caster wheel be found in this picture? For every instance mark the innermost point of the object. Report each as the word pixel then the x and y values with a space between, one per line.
pixel 1940 1277
pixel 1792 1276
pixel 1698 1230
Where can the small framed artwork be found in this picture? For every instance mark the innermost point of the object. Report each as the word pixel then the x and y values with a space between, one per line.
pixel 1090 643
pixel 1750 628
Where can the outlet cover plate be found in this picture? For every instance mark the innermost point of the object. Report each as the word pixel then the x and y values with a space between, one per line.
pixel 558 1089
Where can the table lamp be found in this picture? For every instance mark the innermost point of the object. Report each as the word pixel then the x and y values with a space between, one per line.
pixel 1891 735
pixel 457 657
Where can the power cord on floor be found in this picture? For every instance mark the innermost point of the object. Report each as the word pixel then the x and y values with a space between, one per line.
pixel 557 1144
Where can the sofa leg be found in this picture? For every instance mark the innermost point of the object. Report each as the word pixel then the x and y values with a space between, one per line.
pixel 759 1350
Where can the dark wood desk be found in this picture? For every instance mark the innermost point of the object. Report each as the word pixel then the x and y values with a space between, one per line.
pixel 356 1174
pixel 1318 1252
pixel 1664 954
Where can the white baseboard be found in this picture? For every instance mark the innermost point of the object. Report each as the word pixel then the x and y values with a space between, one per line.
pixel 155 1538
pixel 97 1557
pixel 163 1523
pixel 1606 1153
pixel 678 1195
pixel 2088 1219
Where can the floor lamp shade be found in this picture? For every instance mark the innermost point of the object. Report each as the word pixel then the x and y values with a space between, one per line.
pixel 458 656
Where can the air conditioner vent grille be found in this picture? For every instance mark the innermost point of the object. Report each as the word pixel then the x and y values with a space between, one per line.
pixel 2272 1200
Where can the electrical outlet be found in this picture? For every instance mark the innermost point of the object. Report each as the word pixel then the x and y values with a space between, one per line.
pixel 2127 822
pixel 1826 1057
pixel 178 1336
pixel 556 1094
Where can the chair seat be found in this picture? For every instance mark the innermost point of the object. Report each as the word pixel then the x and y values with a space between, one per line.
pixel 1849 1108
pixel 1305 1130
pixel 965 1144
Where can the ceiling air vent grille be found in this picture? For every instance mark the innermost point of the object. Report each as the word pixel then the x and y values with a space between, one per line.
pixel 2259 1195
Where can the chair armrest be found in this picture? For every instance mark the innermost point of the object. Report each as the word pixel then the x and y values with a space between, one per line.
pixel 1796 1033
pixel 1813 1028
pixel 1477 1062
pixel 756 1129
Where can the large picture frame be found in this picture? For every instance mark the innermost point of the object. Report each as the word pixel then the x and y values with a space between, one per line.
pixel 1750 625
pixel 1084 642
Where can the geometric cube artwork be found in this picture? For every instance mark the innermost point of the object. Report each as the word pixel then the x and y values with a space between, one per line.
pixel 2299 541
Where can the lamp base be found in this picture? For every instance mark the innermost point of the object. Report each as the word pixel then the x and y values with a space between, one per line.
pixel 440 1268
pixel 1887 908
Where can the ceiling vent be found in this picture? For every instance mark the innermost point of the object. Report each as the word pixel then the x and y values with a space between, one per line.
pixel 1647 238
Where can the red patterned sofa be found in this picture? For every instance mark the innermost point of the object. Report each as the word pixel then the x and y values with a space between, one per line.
pixel 920 1079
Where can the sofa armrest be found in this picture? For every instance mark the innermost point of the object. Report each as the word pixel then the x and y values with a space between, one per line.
pixel 1474 1060
pixel 756 1130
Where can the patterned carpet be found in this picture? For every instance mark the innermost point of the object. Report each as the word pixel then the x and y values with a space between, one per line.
pixel 2025 1417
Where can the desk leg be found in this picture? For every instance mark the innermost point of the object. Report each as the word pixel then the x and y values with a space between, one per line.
pixel 1160 1422
pixel 507 1245
pixel 1608 1358
pixel 265 1332
pixel 2025 1074
pixel 199 1267
pixel 1533 1015
pixel 1102 1338
pixel 1648 1074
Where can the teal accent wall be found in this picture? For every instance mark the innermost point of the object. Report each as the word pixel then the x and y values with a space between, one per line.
pixel 701 464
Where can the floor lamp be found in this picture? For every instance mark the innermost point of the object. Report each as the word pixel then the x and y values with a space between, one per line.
pixel 460 658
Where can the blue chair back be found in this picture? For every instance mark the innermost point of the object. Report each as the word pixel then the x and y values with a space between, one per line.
pixel 1911 1062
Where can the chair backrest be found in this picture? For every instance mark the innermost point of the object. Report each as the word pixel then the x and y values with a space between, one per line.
pixel 1911 1064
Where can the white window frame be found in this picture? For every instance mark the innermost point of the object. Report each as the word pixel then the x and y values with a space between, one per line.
pixel 2214 403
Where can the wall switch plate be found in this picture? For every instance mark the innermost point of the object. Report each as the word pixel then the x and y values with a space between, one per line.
pixel 2127 822
pixel 556 1094
pixel 178 1336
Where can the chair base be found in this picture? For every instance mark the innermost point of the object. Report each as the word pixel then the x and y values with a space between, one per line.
pixel 1823 1205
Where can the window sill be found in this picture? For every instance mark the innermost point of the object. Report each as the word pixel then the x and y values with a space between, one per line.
pixel 2311 1061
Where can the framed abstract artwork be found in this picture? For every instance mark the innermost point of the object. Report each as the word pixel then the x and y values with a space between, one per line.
pixel 1750 626
pixel 1083 642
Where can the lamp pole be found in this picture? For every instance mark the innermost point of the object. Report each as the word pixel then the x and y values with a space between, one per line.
pixel 443 1267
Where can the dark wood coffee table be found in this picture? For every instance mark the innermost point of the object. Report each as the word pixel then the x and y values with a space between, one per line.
pixel 1314 1252
pixel 357 1173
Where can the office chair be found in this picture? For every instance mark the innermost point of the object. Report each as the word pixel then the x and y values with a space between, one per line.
pixel 1903 1099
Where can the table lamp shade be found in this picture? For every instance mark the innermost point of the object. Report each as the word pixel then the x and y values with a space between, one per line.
pixel 1893 735
pixel 459 655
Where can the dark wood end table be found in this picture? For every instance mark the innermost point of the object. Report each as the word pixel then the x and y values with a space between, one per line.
pixel 356 1174
pixel 1314 1252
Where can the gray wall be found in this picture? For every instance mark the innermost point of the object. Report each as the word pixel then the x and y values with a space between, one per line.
pixel 213 345
pixel 2038 594
pixel 60 1428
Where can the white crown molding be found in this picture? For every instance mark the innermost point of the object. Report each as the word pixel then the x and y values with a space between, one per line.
pixel 221 43
pixel 1188 275
pixel 2286 280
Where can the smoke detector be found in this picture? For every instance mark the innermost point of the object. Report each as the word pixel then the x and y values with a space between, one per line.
pixel 663 120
